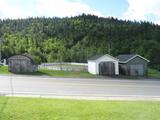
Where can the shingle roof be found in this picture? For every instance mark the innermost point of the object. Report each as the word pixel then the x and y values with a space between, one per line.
pixel 29 56
pixel 26 55
pixel 95 57
pixel 125 57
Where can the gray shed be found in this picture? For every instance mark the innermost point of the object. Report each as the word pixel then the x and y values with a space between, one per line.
pixel 22 64
pixel 134 65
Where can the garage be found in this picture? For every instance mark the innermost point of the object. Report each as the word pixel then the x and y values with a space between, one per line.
pixel 103 65
pixel 134 65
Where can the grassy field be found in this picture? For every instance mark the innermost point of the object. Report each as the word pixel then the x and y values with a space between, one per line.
pixel 59 109
pixel 154 73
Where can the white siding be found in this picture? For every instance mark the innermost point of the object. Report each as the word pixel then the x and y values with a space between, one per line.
pixel 92 67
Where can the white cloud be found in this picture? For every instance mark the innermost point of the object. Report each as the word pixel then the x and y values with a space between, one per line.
pixel 7 10
pixel 48 8
pixel 63 8
pixel 140 9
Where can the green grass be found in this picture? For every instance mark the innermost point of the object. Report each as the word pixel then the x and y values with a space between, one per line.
pixel 3 70
pixel 151 73
pixel 64 73
pixel 154 73
pixel 59 109
pixel 54 73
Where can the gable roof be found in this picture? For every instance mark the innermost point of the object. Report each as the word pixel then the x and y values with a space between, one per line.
pixel 127 57
pixel 96 57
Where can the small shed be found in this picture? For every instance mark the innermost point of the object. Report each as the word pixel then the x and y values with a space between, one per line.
pixel 22 64
pixel 103 65
pixel 131 64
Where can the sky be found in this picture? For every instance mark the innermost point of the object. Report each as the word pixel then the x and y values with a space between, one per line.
pixel 139 10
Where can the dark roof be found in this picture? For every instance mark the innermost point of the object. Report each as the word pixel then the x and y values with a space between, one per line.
pixel 127 57
pixel 95 57
pixel 26 55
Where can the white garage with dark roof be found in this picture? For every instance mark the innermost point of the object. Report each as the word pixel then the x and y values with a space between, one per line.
pixel 133 65
pixel 103 65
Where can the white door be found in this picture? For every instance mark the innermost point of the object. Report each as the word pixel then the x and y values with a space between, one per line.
pixel 136 70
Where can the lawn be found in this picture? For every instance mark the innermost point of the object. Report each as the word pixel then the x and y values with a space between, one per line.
pixel 60 109
pixel 154 73
pixel 56 73
pixel 3 70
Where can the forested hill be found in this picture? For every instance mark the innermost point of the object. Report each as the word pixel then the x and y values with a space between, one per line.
pixel 78 38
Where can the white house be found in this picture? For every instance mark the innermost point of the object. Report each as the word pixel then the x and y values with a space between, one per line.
pixel 103 65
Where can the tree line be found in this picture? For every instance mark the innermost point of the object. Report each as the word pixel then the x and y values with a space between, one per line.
pixel 76 39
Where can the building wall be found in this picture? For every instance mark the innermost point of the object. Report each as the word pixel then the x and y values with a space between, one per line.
pixel 92 67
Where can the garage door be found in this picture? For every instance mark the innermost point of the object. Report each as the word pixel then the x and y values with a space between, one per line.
pixel 106 68
pixel 136 70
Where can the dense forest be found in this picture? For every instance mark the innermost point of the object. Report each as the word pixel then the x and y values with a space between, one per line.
pixel 78 38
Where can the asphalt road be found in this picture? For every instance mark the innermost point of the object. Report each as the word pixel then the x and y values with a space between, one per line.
pixel 47 86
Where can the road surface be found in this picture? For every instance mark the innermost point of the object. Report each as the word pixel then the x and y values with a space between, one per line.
pixel 79 87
